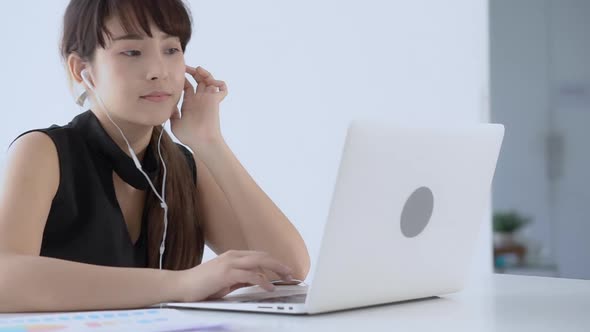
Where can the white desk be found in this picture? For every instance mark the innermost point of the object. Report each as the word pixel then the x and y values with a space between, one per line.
pixel 501 303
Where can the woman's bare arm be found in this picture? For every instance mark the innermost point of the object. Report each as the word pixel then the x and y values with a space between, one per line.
pixel 33 283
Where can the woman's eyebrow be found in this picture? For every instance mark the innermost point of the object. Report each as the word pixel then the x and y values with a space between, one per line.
pixel 139 37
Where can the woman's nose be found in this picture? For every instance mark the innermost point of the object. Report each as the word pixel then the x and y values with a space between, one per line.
pixel 157 68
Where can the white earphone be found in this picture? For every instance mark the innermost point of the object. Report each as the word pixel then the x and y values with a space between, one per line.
pixel 162 197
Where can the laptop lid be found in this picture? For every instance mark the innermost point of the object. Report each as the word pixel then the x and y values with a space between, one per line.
pixel 407 207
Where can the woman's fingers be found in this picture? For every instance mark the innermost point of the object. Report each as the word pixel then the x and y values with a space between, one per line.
pixel 222 89
pixel 205 81
pixel 204 73
pixel 195 74
pixel 253 278
pixel 201 84
pixel 255 262
pixel 211 88
pixel 200 74
pixel 222 86
pixel 188 87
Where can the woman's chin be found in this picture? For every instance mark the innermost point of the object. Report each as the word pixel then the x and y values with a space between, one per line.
pixel 154 116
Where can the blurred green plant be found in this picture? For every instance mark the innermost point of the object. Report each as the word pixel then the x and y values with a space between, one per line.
pixel 509 222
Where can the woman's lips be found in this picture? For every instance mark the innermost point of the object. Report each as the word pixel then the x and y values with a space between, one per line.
pixel 156 99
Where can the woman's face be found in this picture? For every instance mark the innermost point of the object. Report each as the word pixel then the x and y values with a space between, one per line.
pixel 130 67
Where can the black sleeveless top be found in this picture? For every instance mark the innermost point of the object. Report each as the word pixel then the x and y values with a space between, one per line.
pixel 85 223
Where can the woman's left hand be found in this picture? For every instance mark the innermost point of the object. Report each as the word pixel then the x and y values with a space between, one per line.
pixel 200 109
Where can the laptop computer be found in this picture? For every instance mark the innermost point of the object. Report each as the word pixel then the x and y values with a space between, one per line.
pixel 406 210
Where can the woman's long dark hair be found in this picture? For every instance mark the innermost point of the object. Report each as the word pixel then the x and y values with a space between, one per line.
pixel 83 31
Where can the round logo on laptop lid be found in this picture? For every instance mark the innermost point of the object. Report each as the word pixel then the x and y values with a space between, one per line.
pixel 417 212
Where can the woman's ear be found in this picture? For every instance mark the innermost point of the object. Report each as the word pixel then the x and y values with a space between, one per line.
pixel 75 65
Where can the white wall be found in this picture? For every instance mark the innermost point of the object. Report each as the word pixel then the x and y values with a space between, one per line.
pixel 297 72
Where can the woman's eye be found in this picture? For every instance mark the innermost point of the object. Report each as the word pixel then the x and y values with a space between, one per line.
pixel 173 50
pixel 132 53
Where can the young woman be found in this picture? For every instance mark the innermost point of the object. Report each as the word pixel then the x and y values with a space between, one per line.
pixel 107 211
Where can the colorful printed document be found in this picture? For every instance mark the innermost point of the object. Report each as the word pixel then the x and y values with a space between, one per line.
pixel 150 320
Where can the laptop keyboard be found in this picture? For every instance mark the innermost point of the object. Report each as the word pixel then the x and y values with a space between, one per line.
pixel 296 298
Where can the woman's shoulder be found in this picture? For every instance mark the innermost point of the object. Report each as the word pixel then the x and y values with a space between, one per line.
pixel 33 156
pixel 38 141
pixel 54 133
pixel 34 142
pixel 46 149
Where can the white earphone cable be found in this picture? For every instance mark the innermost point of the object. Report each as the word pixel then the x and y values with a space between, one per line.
pixel 161 197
